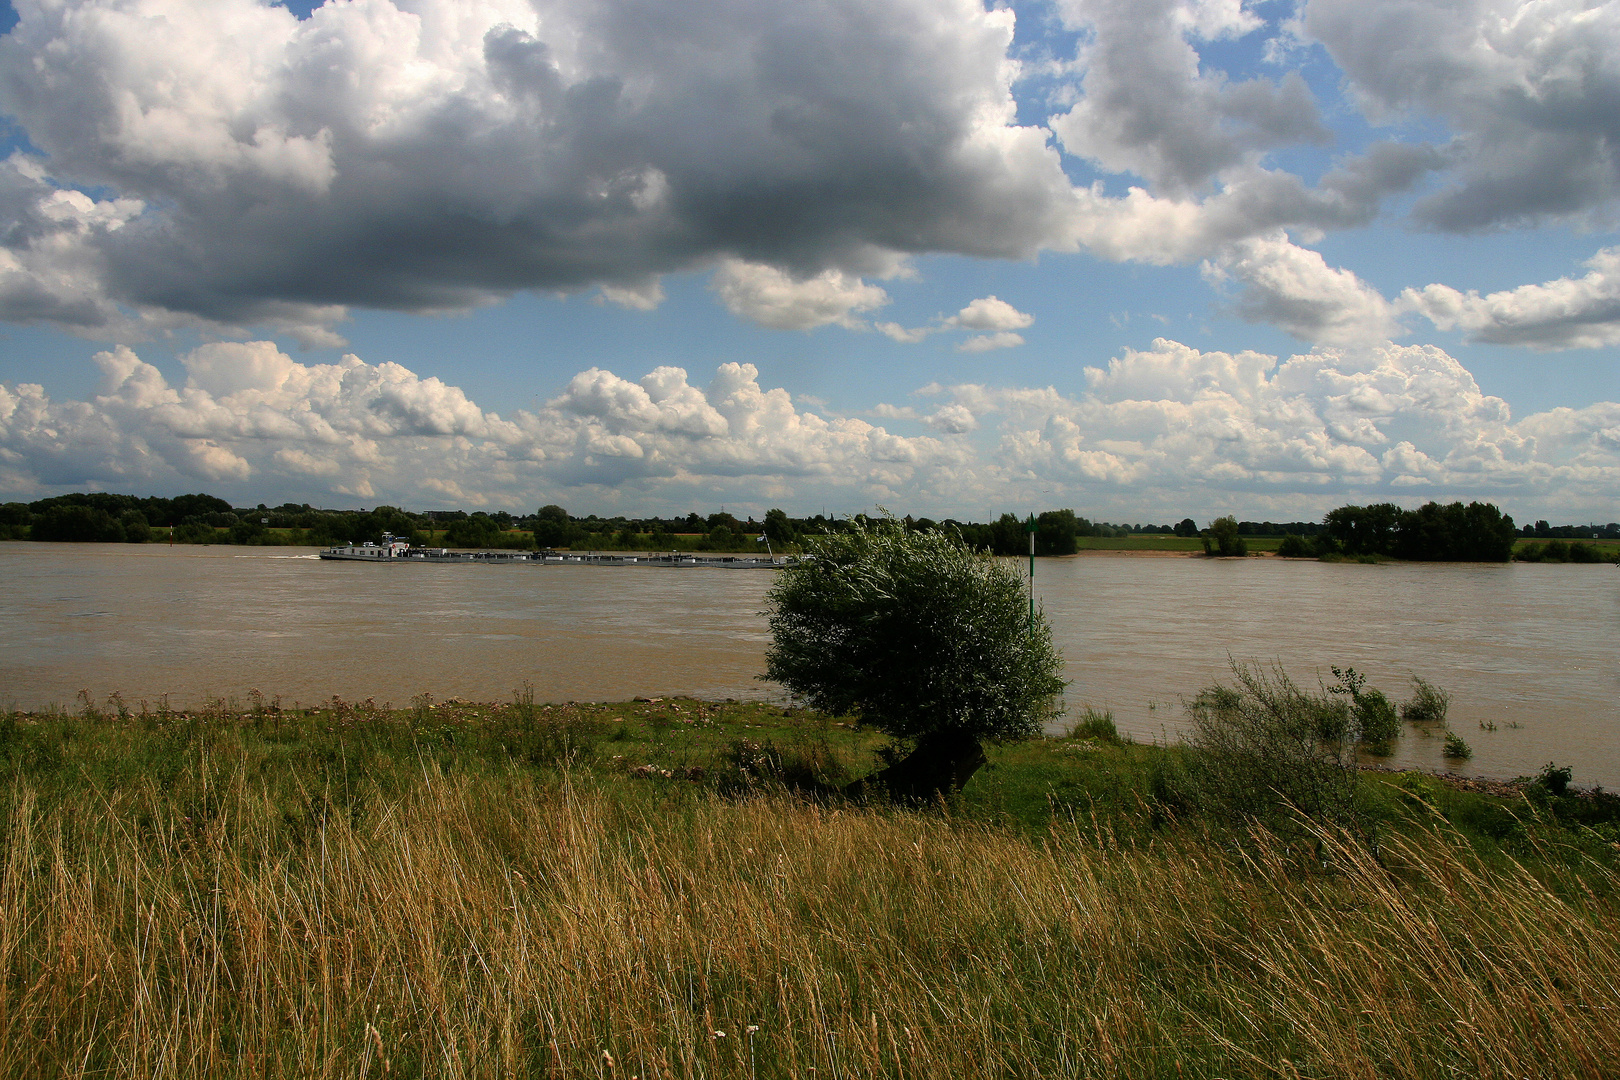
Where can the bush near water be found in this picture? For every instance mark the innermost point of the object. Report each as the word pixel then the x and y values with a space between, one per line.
pixel 634 889
pixel 929 641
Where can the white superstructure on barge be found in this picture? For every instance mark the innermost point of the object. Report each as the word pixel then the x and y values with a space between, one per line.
pixel 369 552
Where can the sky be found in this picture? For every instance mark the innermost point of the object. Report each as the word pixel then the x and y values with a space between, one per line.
pixel 1146 259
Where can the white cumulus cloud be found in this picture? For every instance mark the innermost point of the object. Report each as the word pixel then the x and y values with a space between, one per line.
pixel 1295 289
pixel 1154 430
pixel 257 421
pixel 990 313
pixel 1149 106
pixel 986 313
pixel 1002 339
pixel 227 167
pixel 1569 313
pixel 766 296
pixel 1173 424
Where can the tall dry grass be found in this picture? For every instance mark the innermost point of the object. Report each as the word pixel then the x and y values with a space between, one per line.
pixel 513 926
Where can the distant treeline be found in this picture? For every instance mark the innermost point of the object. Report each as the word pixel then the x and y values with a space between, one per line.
pixel 1542 531
pixel 106 518
pixel 1476 532
pixel 205 519
pixel 1449 532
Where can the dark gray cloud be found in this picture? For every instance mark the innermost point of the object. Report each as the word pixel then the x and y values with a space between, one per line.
pixel 1531 91
pixel 450 154
pixel 1150 108
pixel 229 167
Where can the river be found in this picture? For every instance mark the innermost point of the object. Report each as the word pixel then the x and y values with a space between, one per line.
pixel 1526 650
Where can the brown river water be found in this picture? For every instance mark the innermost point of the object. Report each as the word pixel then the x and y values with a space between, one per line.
pixel 1528 649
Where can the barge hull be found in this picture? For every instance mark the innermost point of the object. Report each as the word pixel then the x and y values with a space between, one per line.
pixel 679 562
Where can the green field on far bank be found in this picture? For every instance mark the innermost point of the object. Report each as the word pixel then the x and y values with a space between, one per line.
pixel 1166 543
pixel 1610 548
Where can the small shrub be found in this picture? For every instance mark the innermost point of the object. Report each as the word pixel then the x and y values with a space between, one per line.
pixel 754 761
pixel 1265 749
pixel 1584 553
pixel 1332 719
pixel 1555 779
pixel 1369 711
pixel 1456 749
pixel 1376 722
pixel 193 531
pixel 1427 705
pixel 1096 725
pixel 1221 538
pixel 1296 547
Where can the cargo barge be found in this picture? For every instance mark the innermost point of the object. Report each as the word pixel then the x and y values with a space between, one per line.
pixel 392 550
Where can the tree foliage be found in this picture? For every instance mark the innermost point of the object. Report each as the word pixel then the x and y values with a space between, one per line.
pixel 1477 532
pixel 84 524
pixel 779 527
pixel 1222 538
pixel 1364 530
pixel 1057 533
pixel 917 635
pixel 476 531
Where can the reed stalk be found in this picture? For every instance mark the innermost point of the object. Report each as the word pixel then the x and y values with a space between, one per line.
pixel 520 925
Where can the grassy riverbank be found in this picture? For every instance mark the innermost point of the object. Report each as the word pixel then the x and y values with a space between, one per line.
pixel 628 890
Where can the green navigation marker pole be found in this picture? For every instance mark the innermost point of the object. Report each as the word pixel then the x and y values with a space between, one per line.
pixel 1030 528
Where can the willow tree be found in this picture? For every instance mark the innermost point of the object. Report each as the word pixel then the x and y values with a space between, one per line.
pixel 916 635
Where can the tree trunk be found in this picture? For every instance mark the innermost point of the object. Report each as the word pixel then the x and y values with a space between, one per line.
pixel 941 765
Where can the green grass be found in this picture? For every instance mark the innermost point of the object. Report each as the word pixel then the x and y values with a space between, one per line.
pixel 1167 543
pixel 1609 547
pixel 702 746
pixel 1139 543
pixel 629 889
